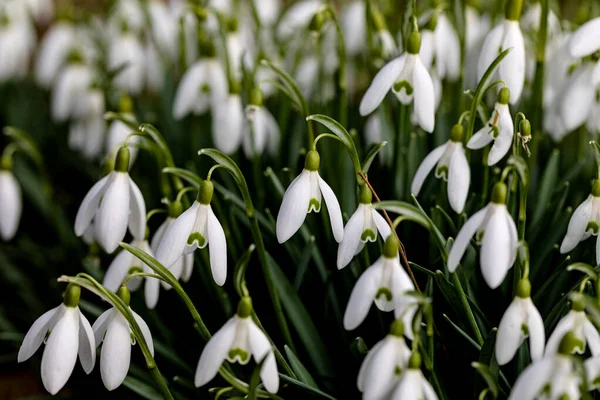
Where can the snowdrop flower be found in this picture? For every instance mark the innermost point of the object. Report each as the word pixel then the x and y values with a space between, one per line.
pixel 584 222
pixel 113 331
pixel 304 196
pixel 499 129
pixel 497 233
pixel 379 128
pixel 87 131
pixel 195 228
pixel 451 165
pixel 113 203
pixel 126 51
pixel 584 40
pixel 297 17
pixel 476 28
pixel 578 96
pixel 228 126
pixel 413 385
pixel 261 129
pixel 66 333
pixel 506 35
pixel 70 87
pixel 164 28
pixel 354 27
pixel 118 133
pixel 184 265
pixel 41 10
pixel 576 322
pixel 553 377
pixel 11 203
pixel 202 87
pixel 268 11
pixel 444 49
pixel 53 52
pixel 385 283
pixel 384 364
pixel 237 341
pixel 361 228
pixel 408 78
pixel 520 320
pixel 17 43
pixel 531 20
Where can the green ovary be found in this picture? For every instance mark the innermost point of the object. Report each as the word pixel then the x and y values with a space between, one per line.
pixel 198 238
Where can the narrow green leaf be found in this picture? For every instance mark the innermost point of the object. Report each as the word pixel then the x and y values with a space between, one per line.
pixel 585 268
pixel 522 168
pixel 184 174
pixel 462 333
pixel 26 144
pixel 306 387
pixel 546 186
pixel 301 320
pixel 340 132
pixel 405 209
pixel 141 388
pixel 291 85
pixel 239 279
pixel 255 381
pixel 371 154
pixel 487 375
pixel 299 369
pixel 422 269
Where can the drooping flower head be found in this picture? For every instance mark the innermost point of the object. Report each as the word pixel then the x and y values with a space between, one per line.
pixel 260 130
pixel 11 203
pixel 412 384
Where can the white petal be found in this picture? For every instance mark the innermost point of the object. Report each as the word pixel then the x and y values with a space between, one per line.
pixel 585 39
pixel 11 205
pixel 53 52
pixel 351 240
pixel 60 353
pixel 381 85
pixel 188 89
pixel 188 267
pixel 592 337
pixel 362 296
pixel 510 336
pixel 145 331
pixel 227 127
pixel 409 386
pixel 36 334
pixel 214 353
pixel 137 218
pixel 464 237
pixel 217 246
pixel 116 353
pixel 578 98
pixel 118 270
pixel 448 47
pixel 459 179
pixel 333 208
pixel 532 380
pixel 489 50
pixel 175 238
pixel 273 133
pixel 381 375
pixel 566 324
pixel 160 233
pixel 537 335
pixel 480 139
pixel 495 249
pixel 294 207
pixel 113 213
pixel 592 370
pixel 382 226
pixel 577 225
pixel 151 292
pixel 501 146
pixel 101 324
pixel 89 205
pixel 425 168
pixel 512 67
pixel 87 344
pixel 424 97
pixel 261 348
pixel 427 389
pixel 367 364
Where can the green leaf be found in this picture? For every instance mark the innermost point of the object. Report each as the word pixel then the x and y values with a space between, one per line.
pixel 141 388
pixel 546 186
pixel 585 268
pixel 404 209
pixel 255 380
pixel 26 144
pixel 521 167
pixel 305 387
pixel 184 174
pixel 239 279
pixel 289 82
pixel 371 154
pixel 422 269
pixel 301 320
pixel 340 132
pixel 299 369
pixel 487 375
pixel 462 333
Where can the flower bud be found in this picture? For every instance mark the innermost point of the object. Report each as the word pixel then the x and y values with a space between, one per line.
pixel 318 20
pixel 525 128
pixel 205 192
pixel 72 293
pixel 244 309
pixel 122 159
pixel 313 160
pixel 499 193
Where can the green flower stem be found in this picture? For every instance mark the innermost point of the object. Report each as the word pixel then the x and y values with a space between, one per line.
pixel 343 109
pixel 397 168
pixel 467 307
pixel 88 282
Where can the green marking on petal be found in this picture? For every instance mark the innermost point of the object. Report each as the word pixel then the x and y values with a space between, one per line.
pixel 592 227
pixel 239 354
pixel 525 330
pixel 198 238
pixel 596 381
pixel 47 336
pixel 383 291
pixel 398 86
pixel 495 131
pixel 368 235
pixel 398 370
pixel 442 172
pixel 479 236
pixel 314 205
pixel 205 88
pixel 546 390
pixel 564 397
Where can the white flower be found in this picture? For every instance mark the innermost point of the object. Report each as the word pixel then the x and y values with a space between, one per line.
pixel 555 376
pixel 297 17
pixel 238 340
pixel 593 122
pixel 443 50
pixel 584 222
pixel 70 87
pixel 412 384
pixel 113 203
pixel 498 236
pixel 384 364
pixel 87 131
pixel 378 128
pixel 385 283
pixel 195 228
pixel 408 78
pixel 11 204
pixel 578 96
pixel 126 52
pixel 361 228
pixel 476 28
pixel 165 28
pixel 506 35
pixel 112 329
pixel 576 322
pixel 41 10
pixel 451 165
pixel 66 333
pixel 499 129
pixel 117 134
pixel 387 43
pixel 520 320
pixel 184 266
pixel 304 196
pixel 354 27
pixel 17 43
pixel 260 131
pixel 585 39
pixel 53 52
pixel 228 125
pixel 592 372
pixel 235 51
pixel 204 85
